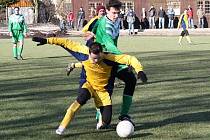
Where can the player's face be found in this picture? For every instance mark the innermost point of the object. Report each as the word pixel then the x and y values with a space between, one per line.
pixel 113 13
pixel 16 11
pixel 95 57
pixel 101 12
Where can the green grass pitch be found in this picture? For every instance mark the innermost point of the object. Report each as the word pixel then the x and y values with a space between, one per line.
pixel 174 105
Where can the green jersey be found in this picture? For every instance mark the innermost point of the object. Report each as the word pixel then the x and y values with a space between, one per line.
pixel 107 33
pixel 17 22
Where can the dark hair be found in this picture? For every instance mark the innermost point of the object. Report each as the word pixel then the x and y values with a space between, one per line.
pixel 114 3
pixel 17 8
pixel 95 48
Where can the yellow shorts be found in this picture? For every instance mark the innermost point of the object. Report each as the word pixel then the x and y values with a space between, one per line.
pixel 101 98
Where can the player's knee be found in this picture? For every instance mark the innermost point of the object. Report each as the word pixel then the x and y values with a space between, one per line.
pixel 83 96
pixel 131 80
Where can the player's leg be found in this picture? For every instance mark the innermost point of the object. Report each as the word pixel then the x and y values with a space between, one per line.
pixel 188 37
pixel 106 112
pixel 82 98
pixel 180 37
pixel 20 47
pixel 103 101
pixel 15 41
pixel 129 78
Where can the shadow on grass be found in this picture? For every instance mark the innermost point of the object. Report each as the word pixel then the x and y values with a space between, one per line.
pixel 185 118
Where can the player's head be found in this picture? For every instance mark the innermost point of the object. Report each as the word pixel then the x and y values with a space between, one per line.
pixel 185 11
pixel 16 10
pixel 100 10
pixel 113 9
pixel 95 51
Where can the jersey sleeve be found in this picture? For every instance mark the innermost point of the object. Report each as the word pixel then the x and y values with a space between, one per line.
pixel 109 44
pixel 89 25
pixel 125 59
pixel 69 44
pixel 10 24
pixel 77 50
pixel 25 27
pixel 78 65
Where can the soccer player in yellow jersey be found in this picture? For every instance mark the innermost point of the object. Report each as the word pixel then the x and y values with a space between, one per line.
pixel 183 23
pixel 99 68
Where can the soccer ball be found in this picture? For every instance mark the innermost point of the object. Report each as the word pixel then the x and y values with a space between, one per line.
pixel 125 129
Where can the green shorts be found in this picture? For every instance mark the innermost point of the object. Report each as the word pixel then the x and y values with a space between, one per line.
pixel 17 36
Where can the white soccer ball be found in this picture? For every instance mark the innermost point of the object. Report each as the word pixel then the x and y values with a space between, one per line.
pixel 125 129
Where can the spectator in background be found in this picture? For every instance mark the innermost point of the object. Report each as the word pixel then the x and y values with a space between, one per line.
pixel 62 24
pixel 131 20
pixel 122 17
pixel 17 30
pixel 80 18
pixel 144 20
pixel 161 15
pixel 92 12
pixel 200 14
pixel 171 15
pixel 152 13
pixel 70 20
pixel 190 16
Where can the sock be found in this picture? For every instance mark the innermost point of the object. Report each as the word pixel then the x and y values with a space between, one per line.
pixel 14 49
pixel 188 39
pixel 98 115
pixel 180 39
pixel 74 107
pixel 127 101
pixel 20 50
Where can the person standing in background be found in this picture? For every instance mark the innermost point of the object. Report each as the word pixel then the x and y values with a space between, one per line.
pixel 152 13
pixel 190 16
pixel 200 14
pixel 161 14
pixel 17 30
pixel 131 20
pixel 171 15
pixel 70 20
pixel 80 18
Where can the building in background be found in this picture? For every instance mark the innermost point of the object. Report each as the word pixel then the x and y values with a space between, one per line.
pixel 26 9
pixel 137 5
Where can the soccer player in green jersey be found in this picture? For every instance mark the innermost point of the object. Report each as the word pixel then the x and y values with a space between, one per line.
pixel 17 30
pixel 107 32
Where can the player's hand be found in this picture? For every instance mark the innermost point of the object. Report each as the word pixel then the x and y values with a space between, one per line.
pixel 70 68
pixel 26 34
pixel 141 75
pixel 88 35
pixel 10 33
pixel 41 40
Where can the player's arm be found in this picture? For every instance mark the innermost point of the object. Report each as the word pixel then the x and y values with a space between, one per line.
pixel 180 20
pixel 10 26
pixel 86 28
pixel 24 25
pixel 109 44
pixel 65 43
pixel 72 66
pixel 128 60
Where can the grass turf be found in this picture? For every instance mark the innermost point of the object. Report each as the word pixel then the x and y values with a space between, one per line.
pixel 175 104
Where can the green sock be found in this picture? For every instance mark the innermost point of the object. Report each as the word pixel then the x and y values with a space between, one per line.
pixel 127 101
pixel 98 113
pixel 20 49
pixel 14 50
